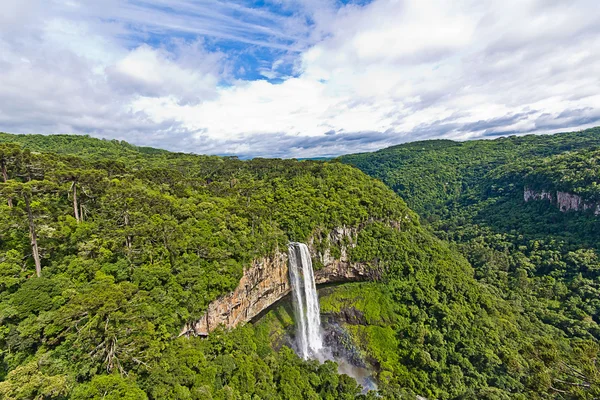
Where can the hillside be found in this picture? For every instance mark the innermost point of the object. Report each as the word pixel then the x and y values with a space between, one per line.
pixel 82 145
pixel 106 254
pixel 127 254
pixel 521 210
pixel 576 172
pixel 430 175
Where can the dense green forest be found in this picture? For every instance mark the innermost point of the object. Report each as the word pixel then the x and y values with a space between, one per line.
pixel 107 250
pixel 576 172
pixel 106 255
pixel 536 257
pixel 433 175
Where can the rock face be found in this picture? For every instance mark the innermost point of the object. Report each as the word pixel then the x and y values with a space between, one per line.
pixel 533 195
pixel 568 201
pixel 563 200
pixel 266 281
pixel 263 283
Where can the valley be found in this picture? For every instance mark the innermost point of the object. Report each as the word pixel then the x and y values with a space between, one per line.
pixel 160 275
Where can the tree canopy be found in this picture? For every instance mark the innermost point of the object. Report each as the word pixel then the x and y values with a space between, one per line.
pixel 537 258
pixel 107 250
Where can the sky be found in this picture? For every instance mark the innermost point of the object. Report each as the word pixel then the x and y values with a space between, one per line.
pixel 298 78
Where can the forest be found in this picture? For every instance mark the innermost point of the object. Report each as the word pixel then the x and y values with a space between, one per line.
pixel 108 249
pixel 539 259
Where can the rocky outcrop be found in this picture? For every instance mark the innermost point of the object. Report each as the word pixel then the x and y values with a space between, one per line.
pixel 568 201
pixel 563 200
pixel 266 281
pixel 534 195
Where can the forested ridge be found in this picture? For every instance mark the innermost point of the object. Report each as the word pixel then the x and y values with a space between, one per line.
pixel 430 174
pixel 576 172
pixel 536 257
pixel 104 260
pixel 107 249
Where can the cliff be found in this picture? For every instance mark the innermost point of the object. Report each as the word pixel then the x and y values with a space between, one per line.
pixel 266 281
pixel 563 200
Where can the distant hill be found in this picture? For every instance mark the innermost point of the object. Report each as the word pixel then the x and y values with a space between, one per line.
pixel 429 175
pixel 82 145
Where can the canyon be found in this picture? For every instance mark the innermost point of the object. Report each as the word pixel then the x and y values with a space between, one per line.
pixel 266 281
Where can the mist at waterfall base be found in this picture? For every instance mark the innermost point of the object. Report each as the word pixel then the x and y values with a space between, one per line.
pixel 309 335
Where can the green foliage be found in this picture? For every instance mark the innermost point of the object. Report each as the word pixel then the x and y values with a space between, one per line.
pixel 431 329
pixel 228 364
pixel 431 175
pixel 576 172
pixel 541 261
pixel 31 381
pixel 109 387
pixel 134 243
pixel 373 306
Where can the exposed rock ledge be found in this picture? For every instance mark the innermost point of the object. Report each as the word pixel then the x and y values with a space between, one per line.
pixel 266 282
pixel 563 200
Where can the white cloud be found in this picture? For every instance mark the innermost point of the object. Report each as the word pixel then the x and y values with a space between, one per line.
pixel 150 72
pixel 368 76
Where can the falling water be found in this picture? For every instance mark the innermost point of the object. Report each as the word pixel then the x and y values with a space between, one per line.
pixel 309 338
pixel 306 302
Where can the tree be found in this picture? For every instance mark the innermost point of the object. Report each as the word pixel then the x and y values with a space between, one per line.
pixel 8 152
pixel 28 382
pixel 27 191
pixel 109 387
pixel 32 234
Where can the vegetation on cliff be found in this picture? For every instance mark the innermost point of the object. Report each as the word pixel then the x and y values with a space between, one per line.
pixel 576 172
pixel 105 254
pixel 107 249
pixel 432 176
pixel 537 258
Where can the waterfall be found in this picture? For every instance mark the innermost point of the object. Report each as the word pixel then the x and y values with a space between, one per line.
pixel 306 302
pixel 309 340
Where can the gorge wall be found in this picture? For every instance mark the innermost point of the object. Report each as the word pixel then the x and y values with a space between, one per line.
pixel 563 200
pixel 266 281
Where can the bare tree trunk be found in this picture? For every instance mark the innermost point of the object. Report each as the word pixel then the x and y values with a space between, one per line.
pixel 75 208
pixel 5 176
pixel 128 239
pixel 4 173
pixel 33 236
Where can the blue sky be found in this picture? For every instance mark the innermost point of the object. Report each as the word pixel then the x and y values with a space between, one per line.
pixel 298 78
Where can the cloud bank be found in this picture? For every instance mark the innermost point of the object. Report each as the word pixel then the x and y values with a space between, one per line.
pixel 298 78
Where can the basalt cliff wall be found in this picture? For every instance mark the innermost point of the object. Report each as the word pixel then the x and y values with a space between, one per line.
pixel 563 200
pixel 266 280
